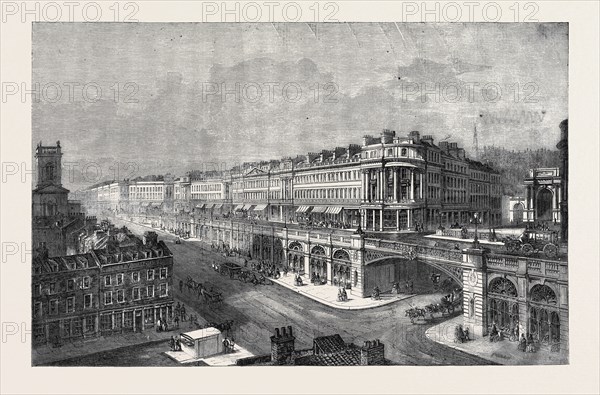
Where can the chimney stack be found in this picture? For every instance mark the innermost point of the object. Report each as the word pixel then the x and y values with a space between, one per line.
pixel 372 353
pixel 282 345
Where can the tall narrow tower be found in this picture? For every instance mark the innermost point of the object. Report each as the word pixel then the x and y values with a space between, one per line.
pixel 475 140
pixel 49 165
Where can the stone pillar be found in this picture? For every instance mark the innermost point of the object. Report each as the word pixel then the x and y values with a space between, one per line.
pixel 475 291
pixel 395 184
pixel 381 220
pixel 412 184
pixel 421 186
pixel 307 255
pixel 522 292
pixel 409 218
pixel 357 267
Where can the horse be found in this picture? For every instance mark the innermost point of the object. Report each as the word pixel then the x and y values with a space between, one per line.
pixel 414 314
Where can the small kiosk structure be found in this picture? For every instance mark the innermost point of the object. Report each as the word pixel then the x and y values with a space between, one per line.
pixel 202 343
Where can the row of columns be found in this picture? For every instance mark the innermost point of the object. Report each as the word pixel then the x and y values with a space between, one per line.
pixel 381 193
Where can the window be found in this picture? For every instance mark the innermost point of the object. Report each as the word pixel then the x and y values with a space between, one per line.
pixel 163 290
pixel 52 288
pixel 107 281
pixel 70 285
pixel 135 277
pixel 87 301
pixel 108 297
pixel 150 291
pixel 120 296
pixel 71 304
pixel 136 294
pixel 163 272
pixel 150 275
pixel 119 279
pixel 54 307
pixel 85 283
pixel 37 309
pixel 37 289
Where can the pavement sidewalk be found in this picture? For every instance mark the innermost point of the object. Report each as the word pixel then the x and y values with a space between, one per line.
pixel 503 352
pixel 45 354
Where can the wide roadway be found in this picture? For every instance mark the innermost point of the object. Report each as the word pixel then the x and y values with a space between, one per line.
pixel 257 310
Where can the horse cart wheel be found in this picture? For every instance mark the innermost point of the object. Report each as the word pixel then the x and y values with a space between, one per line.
pixel 527 249
pixel 551 250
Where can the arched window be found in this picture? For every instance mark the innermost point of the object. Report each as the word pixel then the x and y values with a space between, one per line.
pixel 543 294
pixel 49 172
pixel 503 286
pixel 342 255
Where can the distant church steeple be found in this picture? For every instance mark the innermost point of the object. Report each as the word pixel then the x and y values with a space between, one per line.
pixel 49 165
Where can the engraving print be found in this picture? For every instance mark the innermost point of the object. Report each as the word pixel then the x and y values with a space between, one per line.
pixel 323 194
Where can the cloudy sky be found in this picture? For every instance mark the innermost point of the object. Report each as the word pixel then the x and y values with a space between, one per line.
pixel 174 97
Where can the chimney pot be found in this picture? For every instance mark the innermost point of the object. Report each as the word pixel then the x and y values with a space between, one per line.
pixel 277 332
pixel 284 333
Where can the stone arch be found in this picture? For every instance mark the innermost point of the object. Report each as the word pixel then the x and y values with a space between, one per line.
pixel 544 206
pixel 503 286
pixel 544 294
pixel 318 250
pixel 454 272
pixel 341 254
pixel 296 246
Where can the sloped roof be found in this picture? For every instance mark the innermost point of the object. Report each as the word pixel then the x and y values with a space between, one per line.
pixel 348 357
pixel 329 344
pixel 51 189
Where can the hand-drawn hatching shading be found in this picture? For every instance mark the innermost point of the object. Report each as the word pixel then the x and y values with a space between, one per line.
pixel 300 194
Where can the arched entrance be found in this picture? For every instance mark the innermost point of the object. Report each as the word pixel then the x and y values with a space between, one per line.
pixel 503 309
pixel 318 264
pixel 544 320
pixel 342 269
pixel 544 205
pixel 296 257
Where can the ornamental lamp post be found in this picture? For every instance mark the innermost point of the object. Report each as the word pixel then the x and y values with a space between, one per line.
pixel 476 220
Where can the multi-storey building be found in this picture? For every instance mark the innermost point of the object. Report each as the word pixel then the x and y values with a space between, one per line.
pixel 56 220
pixel 101 292
pixel 390 183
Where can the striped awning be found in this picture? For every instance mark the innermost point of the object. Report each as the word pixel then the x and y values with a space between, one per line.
pixel 319 209
pixel 209 205
pixel 248 207
pixel 218 205
pixel 200 205
pixel 260 207
pixel 334 210
pixel 238 207
pixel 303 209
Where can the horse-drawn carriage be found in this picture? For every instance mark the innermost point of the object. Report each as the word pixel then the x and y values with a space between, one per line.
pixel 534 241
pixel 211 296
pixel 230 269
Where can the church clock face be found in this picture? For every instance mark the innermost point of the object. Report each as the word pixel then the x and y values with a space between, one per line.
pixel 473 278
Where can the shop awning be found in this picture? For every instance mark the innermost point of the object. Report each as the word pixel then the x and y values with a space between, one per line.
pixel 238 207
pixel 145 204
pixel 334 210
pixel 319 209
pixel 200 205
pixel 260 207
pixel 209 205
pixel 248 207
pixel 218 205
pixel 155 204
pixel 302 209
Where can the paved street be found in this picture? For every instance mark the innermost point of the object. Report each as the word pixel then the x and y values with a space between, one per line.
pixel 257 309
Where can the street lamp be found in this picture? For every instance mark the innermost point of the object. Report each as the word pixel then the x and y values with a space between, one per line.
pixel 476 220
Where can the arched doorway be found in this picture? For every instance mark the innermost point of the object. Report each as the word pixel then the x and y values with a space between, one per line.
pixel 544 205
pixel 318 264
pixel 503 307
pixel 296 257
pixel 342 269
pixel 518 213
pixel 544 320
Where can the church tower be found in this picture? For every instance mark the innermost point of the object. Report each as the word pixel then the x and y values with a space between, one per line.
pixel 49 165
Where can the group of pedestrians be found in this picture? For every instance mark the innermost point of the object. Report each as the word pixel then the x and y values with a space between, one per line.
pixel 175 344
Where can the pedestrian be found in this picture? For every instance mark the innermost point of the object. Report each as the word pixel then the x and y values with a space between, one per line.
pixel 176 321
pixel 183 315
pixel 172 343
pixel 177 345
